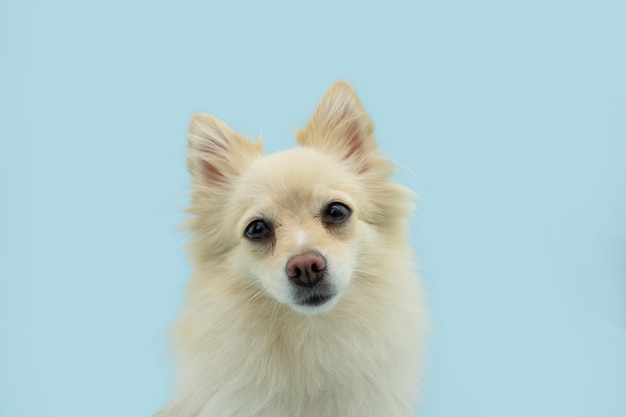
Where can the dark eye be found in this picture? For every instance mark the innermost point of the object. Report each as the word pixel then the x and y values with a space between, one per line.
pixel 258 230
pixel 337 213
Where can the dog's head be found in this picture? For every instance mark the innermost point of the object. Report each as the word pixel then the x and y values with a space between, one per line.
pixel 298 225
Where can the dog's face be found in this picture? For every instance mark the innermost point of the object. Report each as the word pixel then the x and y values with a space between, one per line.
pixel 300 232
pixel 295 224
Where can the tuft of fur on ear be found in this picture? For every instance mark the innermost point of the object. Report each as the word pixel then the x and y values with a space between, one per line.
pixel 340 126
pixel 216 152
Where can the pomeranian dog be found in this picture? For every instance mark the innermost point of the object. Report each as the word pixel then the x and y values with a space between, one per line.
pixel 304 301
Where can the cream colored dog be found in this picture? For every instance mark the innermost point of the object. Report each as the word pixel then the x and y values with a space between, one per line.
pixel 303 301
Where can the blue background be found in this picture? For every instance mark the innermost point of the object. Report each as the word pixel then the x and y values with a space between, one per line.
pixel 511 115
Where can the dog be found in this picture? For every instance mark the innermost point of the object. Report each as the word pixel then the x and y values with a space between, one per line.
pixel 304 301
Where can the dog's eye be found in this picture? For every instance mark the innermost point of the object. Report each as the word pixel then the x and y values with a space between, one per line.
pixel 337 213
pixel 258 230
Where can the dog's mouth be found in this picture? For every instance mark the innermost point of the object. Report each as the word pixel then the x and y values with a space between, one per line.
pixel 316 296
pixel 312 300
pixel 316 300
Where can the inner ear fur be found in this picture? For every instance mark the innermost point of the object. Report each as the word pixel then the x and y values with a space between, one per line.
pixel 216 152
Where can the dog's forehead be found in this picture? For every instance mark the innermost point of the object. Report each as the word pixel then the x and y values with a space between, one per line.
pixel 296 176
pixel 300 167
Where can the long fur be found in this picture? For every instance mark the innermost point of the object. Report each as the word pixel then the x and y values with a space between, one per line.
pixel 241 351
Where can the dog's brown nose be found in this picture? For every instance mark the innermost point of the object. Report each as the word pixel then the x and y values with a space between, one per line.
pixel 307 269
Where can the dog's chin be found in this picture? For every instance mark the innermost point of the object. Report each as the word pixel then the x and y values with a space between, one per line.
pixel 315 303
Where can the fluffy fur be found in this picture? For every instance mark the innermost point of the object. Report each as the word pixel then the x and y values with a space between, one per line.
pixel 247 344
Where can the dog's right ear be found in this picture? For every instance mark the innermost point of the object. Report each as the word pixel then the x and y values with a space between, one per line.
pixel 216 152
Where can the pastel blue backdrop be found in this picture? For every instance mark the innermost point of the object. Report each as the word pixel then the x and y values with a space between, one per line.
pixel 510 119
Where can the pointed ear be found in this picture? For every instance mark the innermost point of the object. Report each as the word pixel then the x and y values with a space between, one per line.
pixel 217 153
pixel 340 126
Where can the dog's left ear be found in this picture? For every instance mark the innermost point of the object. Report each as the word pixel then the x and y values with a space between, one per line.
pixel 340 126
